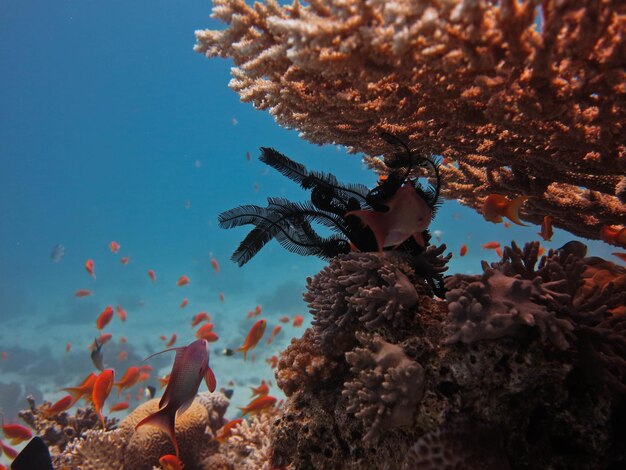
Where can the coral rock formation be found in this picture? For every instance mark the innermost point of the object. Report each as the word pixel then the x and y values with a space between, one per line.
pixel 523 98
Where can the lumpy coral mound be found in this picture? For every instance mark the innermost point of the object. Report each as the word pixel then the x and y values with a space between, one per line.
pixel 522 367
pixel 522 97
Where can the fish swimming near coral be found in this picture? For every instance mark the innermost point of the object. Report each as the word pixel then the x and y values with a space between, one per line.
pixel 35 456
pixel 496 206
pixel 96 355
pixel 191 365
pixel 101 390
pixel 254 336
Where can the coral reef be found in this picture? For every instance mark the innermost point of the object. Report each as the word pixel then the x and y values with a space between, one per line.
pixel 412 384
pixel 517 105
pixel 125 448
pixel 57 430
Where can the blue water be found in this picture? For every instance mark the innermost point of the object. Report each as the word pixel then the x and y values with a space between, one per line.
pixel 113 128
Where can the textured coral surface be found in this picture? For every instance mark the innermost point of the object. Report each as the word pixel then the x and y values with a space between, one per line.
pixel 522 97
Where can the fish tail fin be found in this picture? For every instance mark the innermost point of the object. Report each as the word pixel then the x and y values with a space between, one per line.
pixel 245 352
pixel 512 209
pixel 164 419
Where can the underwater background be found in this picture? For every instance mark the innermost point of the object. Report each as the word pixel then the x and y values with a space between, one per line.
pixel 113 129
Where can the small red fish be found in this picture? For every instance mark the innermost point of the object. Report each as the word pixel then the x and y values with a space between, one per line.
pixel 164 380
pixel 105 317
pixel 297 320
pixel 130 378
pixel 284 319
pixel 123 340
pixel 121 313
pixel 16 433
pixel 261 390
pixel 182 281
pixel 122 356
pixel 85 388
pixel 491 246
pixel 114 247
pixel 506 224
pixel 82 293
pixel 4 355
pixel 68 347
pixel 463 250
pixel 89 266
pixel 540 251
pixel 123 405
pixel 170 462
pixel 272 361
pixel 546 228
pixel 258 405
pixel 171 342
pixel 206 332
pixel 221 297
pixel 144 376
pixel 146 367
pixel 101 389
pixel 496 206
pixel 152 275
pixel 254 336
pixel 199 318
pixel 257 310
pixel 61 405
pixel 10 452
pixel 226 430
pixel 215 265
pixel 124 260
pixel 103 339
pixel 183 304
pixel 191 365
pixel 499 251
pixel 275 331
pixel 163 338
pixel 614 235
pixel 621 256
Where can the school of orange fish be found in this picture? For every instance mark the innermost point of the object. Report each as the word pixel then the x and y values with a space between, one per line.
pixel 96 388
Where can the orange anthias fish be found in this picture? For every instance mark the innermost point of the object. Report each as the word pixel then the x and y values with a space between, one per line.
pixel 164 380
pixel 152 275
pixel 16 433
pixel 124 260
pixel 206 332
pixel 226 430
pixel 105 317
pixel 171 342
pixel 101 389
pixel 121 313
pixel 123 405
pixel 114 247
pixel 182 280
pixel 491 246
pixel 183 304
pixel 102 339
pixel 191 365
pixel 61 405
pixel 257 310
pixel 89 266
pixel 259 404
pixel 463 250
pixel 261 390
pixel 297 320
pixel 614 235
pixel 284 319
pixel 10 452
pixel 82 293
pixel 122 356
pixel 254 336
pixel 68 347
pixel 221 297
pixel 85 388
pixel 495 207
pixel 546 228
pixel 408 216
pixel 215 265
pixel 275 331
pixel 170 462
pixel 130 378
pixel 199 318
pixel 272 361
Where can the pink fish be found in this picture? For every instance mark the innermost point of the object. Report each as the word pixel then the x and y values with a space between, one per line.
pixel 191 364
pixel 408 216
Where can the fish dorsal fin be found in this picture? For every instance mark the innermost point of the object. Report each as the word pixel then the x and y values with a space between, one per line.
pixel 209 378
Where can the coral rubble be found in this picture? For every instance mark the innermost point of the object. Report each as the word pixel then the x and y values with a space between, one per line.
pixel 522 97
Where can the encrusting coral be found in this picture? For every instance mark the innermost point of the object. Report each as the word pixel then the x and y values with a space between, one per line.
pixel 521 97
pixel 549 385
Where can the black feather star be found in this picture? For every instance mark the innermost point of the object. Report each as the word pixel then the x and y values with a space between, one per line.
pixel 332 205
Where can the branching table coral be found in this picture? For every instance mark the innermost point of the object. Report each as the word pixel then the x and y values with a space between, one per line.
pixel 521 97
